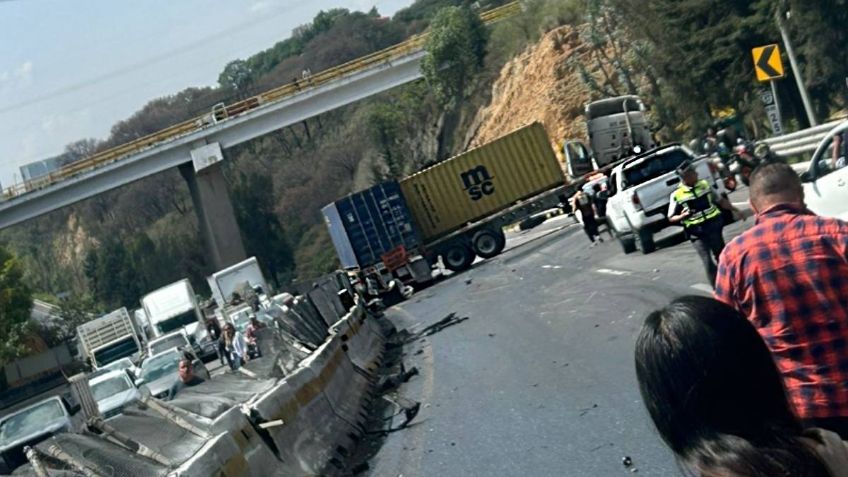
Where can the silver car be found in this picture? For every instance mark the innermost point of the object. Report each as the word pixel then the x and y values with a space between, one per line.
pixel 113 391
pixel 30 426
pixel 159 372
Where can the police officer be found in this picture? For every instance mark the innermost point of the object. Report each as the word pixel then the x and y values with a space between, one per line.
pixel 697 206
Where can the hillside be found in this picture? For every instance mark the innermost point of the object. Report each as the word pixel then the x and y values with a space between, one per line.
pixel 538 85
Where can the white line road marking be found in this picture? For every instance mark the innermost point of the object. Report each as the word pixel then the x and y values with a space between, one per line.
pixel 704 287
pixel 551 267
pixel 618 273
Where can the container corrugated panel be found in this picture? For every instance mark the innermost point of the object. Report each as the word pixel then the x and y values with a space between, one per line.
pixel 482 181
pixel 368 224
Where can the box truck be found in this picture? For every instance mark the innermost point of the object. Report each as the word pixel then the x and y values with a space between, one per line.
pixel 223 283
pixel 173 308
pixel 454 211
pixel 109 338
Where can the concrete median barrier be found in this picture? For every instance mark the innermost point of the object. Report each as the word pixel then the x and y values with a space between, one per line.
pixel 299 411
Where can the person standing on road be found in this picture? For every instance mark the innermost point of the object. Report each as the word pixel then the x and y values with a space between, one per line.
pixel 789 275
pixel 717 399
pixel 582 202
pixel 213 328
pixel 235 346
pixel 697 206
pixel 187 378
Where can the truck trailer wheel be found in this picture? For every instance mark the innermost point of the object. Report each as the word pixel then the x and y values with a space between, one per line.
pixel 488 243
pixel 646 241
pixel 458 257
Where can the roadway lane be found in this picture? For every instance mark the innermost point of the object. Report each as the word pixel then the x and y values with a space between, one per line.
pixel 539 380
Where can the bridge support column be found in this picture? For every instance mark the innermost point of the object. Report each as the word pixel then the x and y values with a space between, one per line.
pixel 215 215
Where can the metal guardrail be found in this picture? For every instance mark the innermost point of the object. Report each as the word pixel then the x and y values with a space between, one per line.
pixel 800 142
pixel 221 113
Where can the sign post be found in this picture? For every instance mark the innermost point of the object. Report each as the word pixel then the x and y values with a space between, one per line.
pixel 769 68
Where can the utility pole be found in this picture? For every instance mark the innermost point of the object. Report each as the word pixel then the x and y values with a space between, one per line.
pixel 796 71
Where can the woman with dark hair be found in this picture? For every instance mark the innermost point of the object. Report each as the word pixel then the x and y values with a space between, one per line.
pixel 717 399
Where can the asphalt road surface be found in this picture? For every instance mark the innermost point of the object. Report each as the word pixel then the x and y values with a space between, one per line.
pixel 539 380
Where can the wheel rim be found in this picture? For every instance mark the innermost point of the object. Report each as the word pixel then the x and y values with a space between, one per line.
pixel 486 244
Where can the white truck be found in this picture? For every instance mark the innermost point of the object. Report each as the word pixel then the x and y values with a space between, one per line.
pixel 640 192
pixel 617 128
pixel 174 307
pixel 109 338
pixel 224 282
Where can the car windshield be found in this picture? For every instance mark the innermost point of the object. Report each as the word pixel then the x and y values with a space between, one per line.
pixel 177 322
pixel 654 166
pixel 174 341
pixel 31 420
pixel 125 347
pixel 158 366
pixel 610 107
pixel 110 387
pixel 119 365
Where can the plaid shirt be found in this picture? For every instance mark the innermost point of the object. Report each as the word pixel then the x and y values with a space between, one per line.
pixel 789 275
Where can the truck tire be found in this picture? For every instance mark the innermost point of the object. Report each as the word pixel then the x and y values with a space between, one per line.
pixel 488 243
pixel 646 241
pixel 458 257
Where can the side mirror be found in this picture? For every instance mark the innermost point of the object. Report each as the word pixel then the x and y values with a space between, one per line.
pixel 806 176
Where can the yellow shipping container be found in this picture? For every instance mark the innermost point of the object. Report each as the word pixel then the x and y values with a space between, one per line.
pixel 482 181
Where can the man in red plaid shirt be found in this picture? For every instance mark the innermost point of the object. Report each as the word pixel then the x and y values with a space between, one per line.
pixel 789 275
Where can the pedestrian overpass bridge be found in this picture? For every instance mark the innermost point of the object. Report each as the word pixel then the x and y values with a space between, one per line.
pixel 196 145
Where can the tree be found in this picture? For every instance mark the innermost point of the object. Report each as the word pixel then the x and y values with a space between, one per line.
pixel 385 123
pixel 15 308
pixel 456 48
pixel 263 234
pixel 237 76
pixel 114 279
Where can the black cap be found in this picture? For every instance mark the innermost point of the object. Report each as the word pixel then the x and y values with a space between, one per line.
pixel 685 167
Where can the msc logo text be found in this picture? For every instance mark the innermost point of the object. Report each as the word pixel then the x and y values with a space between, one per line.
pixel 477 182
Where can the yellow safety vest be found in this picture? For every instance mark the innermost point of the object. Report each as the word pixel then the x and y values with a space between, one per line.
pixel 699 201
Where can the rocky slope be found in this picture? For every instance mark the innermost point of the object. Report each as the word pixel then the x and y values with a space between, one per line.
pixel 538 85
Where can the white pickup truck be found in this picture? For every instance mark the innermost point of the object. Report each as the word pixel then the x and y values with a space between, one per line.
pixel 640 190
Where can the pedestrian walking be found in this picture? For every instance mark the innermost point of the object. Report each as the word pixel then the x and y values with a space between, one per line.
pixel 235 346
pixel 789 276
pixel 599 200
pixel 583 203
pixel 717 399
pixel 697 206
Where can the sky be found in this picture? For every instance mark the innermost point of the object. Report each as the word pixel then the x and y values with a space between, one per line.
pixel 70 69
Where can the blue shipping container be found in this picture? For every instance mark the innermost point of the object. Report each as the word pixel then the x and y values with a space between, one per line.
pixel 368 224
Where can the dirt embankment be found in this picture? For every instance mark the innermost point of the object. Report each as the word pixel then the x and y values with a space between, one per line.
pixel 538 85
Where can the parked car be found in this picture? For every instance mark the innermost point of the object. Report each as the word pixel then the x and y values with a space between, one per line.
pixel 177 339
pixel 123 364
pixel 159 372
pixel 31 425
pixel 206 349
pixel 826 181
pixel 113 391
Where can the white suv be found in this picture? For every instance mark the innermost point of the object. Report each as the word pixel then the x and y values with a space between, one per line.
pixel 826 181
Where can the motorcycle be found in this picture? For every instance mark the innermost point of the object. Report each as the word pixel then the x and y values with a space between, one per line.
pixel 746 157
